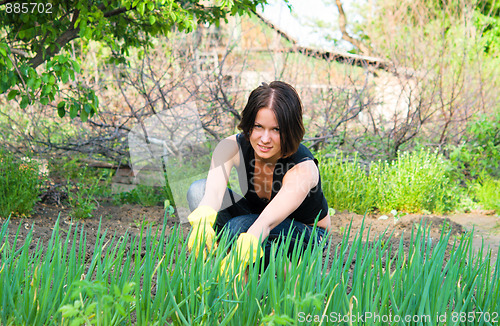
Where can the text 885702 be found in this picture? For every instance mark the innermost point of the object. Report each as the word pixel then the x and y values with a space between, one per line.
pixel 28 8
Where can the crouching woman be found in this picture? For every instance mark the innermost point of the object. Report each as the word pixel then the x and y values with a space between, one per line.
pixel 278 175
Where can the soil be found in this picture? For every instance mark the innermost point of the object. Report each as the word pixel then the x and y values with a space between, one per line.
pixel 130 218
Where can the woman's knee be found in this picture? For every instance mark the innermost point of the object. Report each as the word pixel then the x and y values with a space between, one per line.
pixel 195 193
pixel 233 230
pixel 240 224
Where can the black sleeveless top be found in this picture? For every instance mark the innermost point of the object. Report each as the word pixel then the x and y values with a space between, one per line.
pixel 314 204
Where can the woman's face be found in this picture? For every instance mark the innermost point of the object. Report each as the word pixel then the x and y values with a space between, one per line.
pixel 265 136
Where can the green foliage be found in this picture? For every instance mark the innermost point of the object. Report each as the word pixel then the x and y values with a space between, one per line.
pixel 82 198
pixel 71 167
pixel 479 153
pixel 85 188
pixel 490 32
pixel 20 183
pixel 66 167
pixel 414 182
pixel 466 201
pixel 152 279
pixel 488 7
pixel 346 184
pixel 39 34
pixel 91 299
pixel 143 195
pixel 487 193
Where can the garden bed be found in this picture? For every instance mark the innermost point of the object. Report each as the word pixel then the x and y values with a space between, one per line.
pixel 149 278
pixel 130 218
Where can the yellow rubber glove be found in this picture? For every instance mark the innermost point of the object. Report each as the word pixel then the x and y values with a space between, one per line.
pixel 202 220
pixel 246 245
pixel 203 214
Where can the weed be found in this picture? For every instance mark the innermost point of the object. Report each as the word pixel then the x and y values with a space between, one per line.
pixel 396 216
pixel 142 195
pixel 479 154
pixel 83 199
pixel 466 203
pixel 90 300
pixel 143 223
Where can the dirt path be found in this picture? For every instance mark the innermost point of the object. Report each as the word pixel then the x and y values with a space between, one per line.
pixel 486 229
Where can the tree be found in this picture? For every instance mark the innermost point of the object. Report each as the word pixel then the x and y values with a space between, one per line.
pixel 37 54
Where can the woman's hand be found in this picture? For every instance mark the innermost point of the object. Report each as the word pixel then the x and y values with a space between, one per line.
pixel 248 249
pixel 202 234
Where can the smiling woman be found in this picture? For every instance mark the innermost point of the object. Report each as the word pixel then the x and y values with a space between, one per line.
pixel 282 196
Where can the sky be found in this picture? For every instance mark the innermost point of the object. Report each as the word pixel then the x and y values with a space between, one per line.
pixel 299 23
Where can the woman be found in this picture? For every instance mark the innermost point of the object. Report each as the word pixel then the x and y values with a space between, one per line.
pixel 278 175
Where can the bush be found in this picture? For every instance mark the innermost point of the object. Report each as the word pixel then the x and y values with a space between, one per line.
pixel 479 153
pixel 83 199
pixel 412 183
pixel 487 193
pixel 20 183
pixel 346 184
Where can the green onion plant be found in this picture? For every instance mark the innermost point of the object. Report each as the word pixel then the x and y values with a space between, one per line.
pixel 152 279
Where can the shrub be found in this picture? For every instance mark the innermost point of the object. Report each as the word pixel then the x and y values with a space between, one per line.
pixel 479 153
pixel 487 193
pixel 83 200
pixel 346 184
pixel 20 183
pixel 414 182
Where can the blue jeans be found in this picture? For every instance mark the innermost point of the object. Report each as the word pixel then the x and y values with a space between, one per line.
pixel 238 218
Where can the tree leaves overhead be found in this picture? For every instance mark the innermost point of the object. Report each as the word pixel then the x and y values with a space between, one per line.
pixel 35 35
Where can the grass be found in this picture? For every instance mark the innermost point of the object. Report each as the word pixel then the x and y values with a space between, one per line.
pixel 152 279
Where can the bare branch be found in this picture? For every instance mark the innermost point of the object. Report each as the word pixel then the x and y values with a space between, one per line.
pixel 345 35
pixel 19 52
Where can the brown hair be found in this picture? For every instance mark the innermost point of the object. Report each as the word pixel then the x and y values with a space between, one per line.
pixel 284 101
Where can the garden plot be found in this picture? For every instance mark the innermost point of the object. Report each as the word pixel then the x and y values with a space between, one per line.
pixel 127 281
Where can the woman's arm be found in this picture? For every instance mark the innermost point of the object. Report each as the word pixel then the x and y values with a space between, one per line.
pixel 297 183
pixel 224 157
